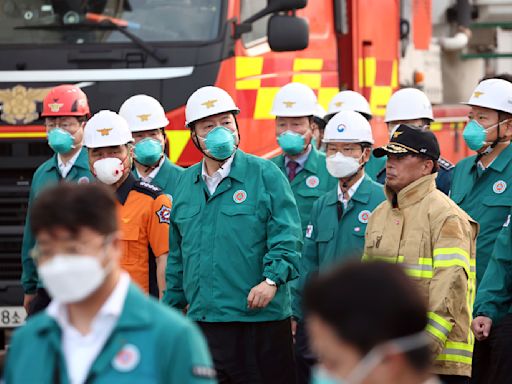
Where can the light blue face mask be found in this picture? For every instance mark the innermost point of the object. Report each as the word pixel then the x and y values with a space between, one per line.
pixel 474 134
pixel 220 143
pixel 291 143
pixel 148 151
pixel 60 140
pixel 375 357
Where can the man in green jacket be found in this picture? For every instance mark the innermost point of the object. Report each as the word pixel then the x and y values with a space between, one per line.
pixel 147 121
pixel 480 187
pixel 65 109
pixel 99 327
pixel 235 243
pixel 493 309
pixel 304 165
pixel 338 220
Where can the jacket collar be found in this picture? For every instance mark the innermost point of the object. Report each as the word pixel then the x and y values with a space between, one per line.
pixel 311 164
pixel 82 161
pixel 163 177
pixel 135 314
pixel 502 160
pixel 414 192
pixel 125 188
pixel 362 194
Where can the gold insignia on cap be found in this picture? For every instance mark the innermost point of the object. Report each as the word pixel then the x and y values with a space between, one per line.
pixel 288 104
pixel 55 107
pixel 104 131
pixel 338 103
pixel 396 134
pixel 210 103
pixel 477 94
pixel 144 117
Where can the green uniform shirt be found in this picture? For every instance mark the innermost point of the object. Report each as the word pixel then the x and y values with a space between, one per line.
pixel 167 177
pixel 374 166
pixel 328 240
pixel 221 246
pixel 486 196
pixel 165 348
pixel 309 184
pixel 494 296
pixel 46 175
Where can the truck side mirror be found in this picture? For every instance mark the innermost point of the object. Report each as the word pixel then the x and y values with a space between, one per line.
pixel 287 33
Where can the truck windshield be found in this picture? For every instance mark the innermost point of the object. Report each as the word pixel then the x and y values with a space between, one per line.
pixel 150 20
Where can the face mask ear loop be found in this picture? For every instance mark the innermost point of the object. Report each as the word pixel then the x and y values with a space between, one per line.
pixel 196 143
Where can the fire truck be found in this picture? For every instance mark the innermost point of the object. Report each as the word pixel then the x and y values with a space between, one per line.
pixel 114 49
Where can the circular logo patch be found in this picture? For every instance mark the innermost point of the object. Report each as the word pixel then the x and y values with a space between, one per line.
pixel 341 128
pixel 239 196
pixel 127 358
pixel 312 181
pixel 83 180
pixel 364 216
pixel 499 187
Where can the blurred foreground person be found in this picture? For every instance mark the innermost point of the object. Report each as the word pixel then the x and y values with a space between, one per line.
pixel 374 334
pixel 99 327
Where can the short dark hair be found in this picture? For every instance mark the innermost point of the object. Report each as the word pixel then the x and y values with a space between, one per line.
pixel 73 207
pixel 368 304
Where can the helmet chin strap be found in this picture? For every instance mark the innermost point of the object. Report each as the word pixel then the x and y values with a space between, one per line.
pixel 490 148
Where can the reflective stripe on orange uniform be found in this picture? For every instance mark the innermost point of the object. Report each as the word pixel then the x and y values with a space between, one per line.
pixel 143 213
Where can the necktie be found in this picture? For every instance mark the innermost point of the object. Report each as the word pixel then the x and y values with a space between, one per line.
pixel 292 169
pixel 339 207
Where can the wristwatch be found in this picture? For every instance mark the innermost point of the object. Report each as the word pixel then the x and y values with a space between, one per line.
pixel 270 282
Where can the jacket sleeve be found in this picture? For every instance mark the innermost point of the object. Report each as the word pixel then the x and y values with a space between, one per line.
pixel 309 262
pixel 174 295
pixel 284 233
pixel 188 361
pixel 494 295
pixel 29 276
pixel 452 285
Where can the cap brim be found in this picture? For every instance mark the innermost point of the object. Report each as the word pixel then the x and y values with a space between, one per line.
pixel 394 149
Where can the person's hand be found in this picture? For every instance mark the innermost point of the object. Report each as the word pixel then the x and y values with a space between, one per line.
pixel 294 328
pixel 27 298
pixel 481 327
pixel 261 295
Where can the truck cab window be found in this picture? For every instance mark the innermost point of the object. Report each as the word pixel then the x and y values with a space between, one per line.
pixel 259 28
pixel 150 20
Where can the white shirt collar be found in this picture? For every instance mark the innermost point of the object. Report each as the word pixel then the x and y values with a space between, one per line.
pixel 213 181
pixel 301 160
pixel 65 168
pixel 149 178
pixel 351 191
pixel 113 306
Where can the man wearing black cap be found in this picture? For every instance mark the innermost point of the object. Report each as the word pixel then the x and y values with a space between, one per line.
pixel 420 228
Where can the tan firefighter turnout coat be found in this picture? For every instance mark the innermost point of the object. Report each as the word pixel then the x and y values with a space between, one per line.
pixel 434 240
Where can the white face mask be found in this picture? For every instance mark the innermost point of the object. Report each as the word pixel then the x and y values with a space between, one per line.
pixel 340 166
pixel 366 366
pixel 108 170
pixel 72 278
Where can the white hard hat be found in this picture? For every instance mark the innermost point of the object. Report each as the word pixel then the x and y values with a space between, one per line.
pixel 319 112
pixel 143 113
pixel 408 104
pixel 208 101
pixel 493 94
pixel 348 127
pixel 349 101
pixel 106 129
pixel 294 100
